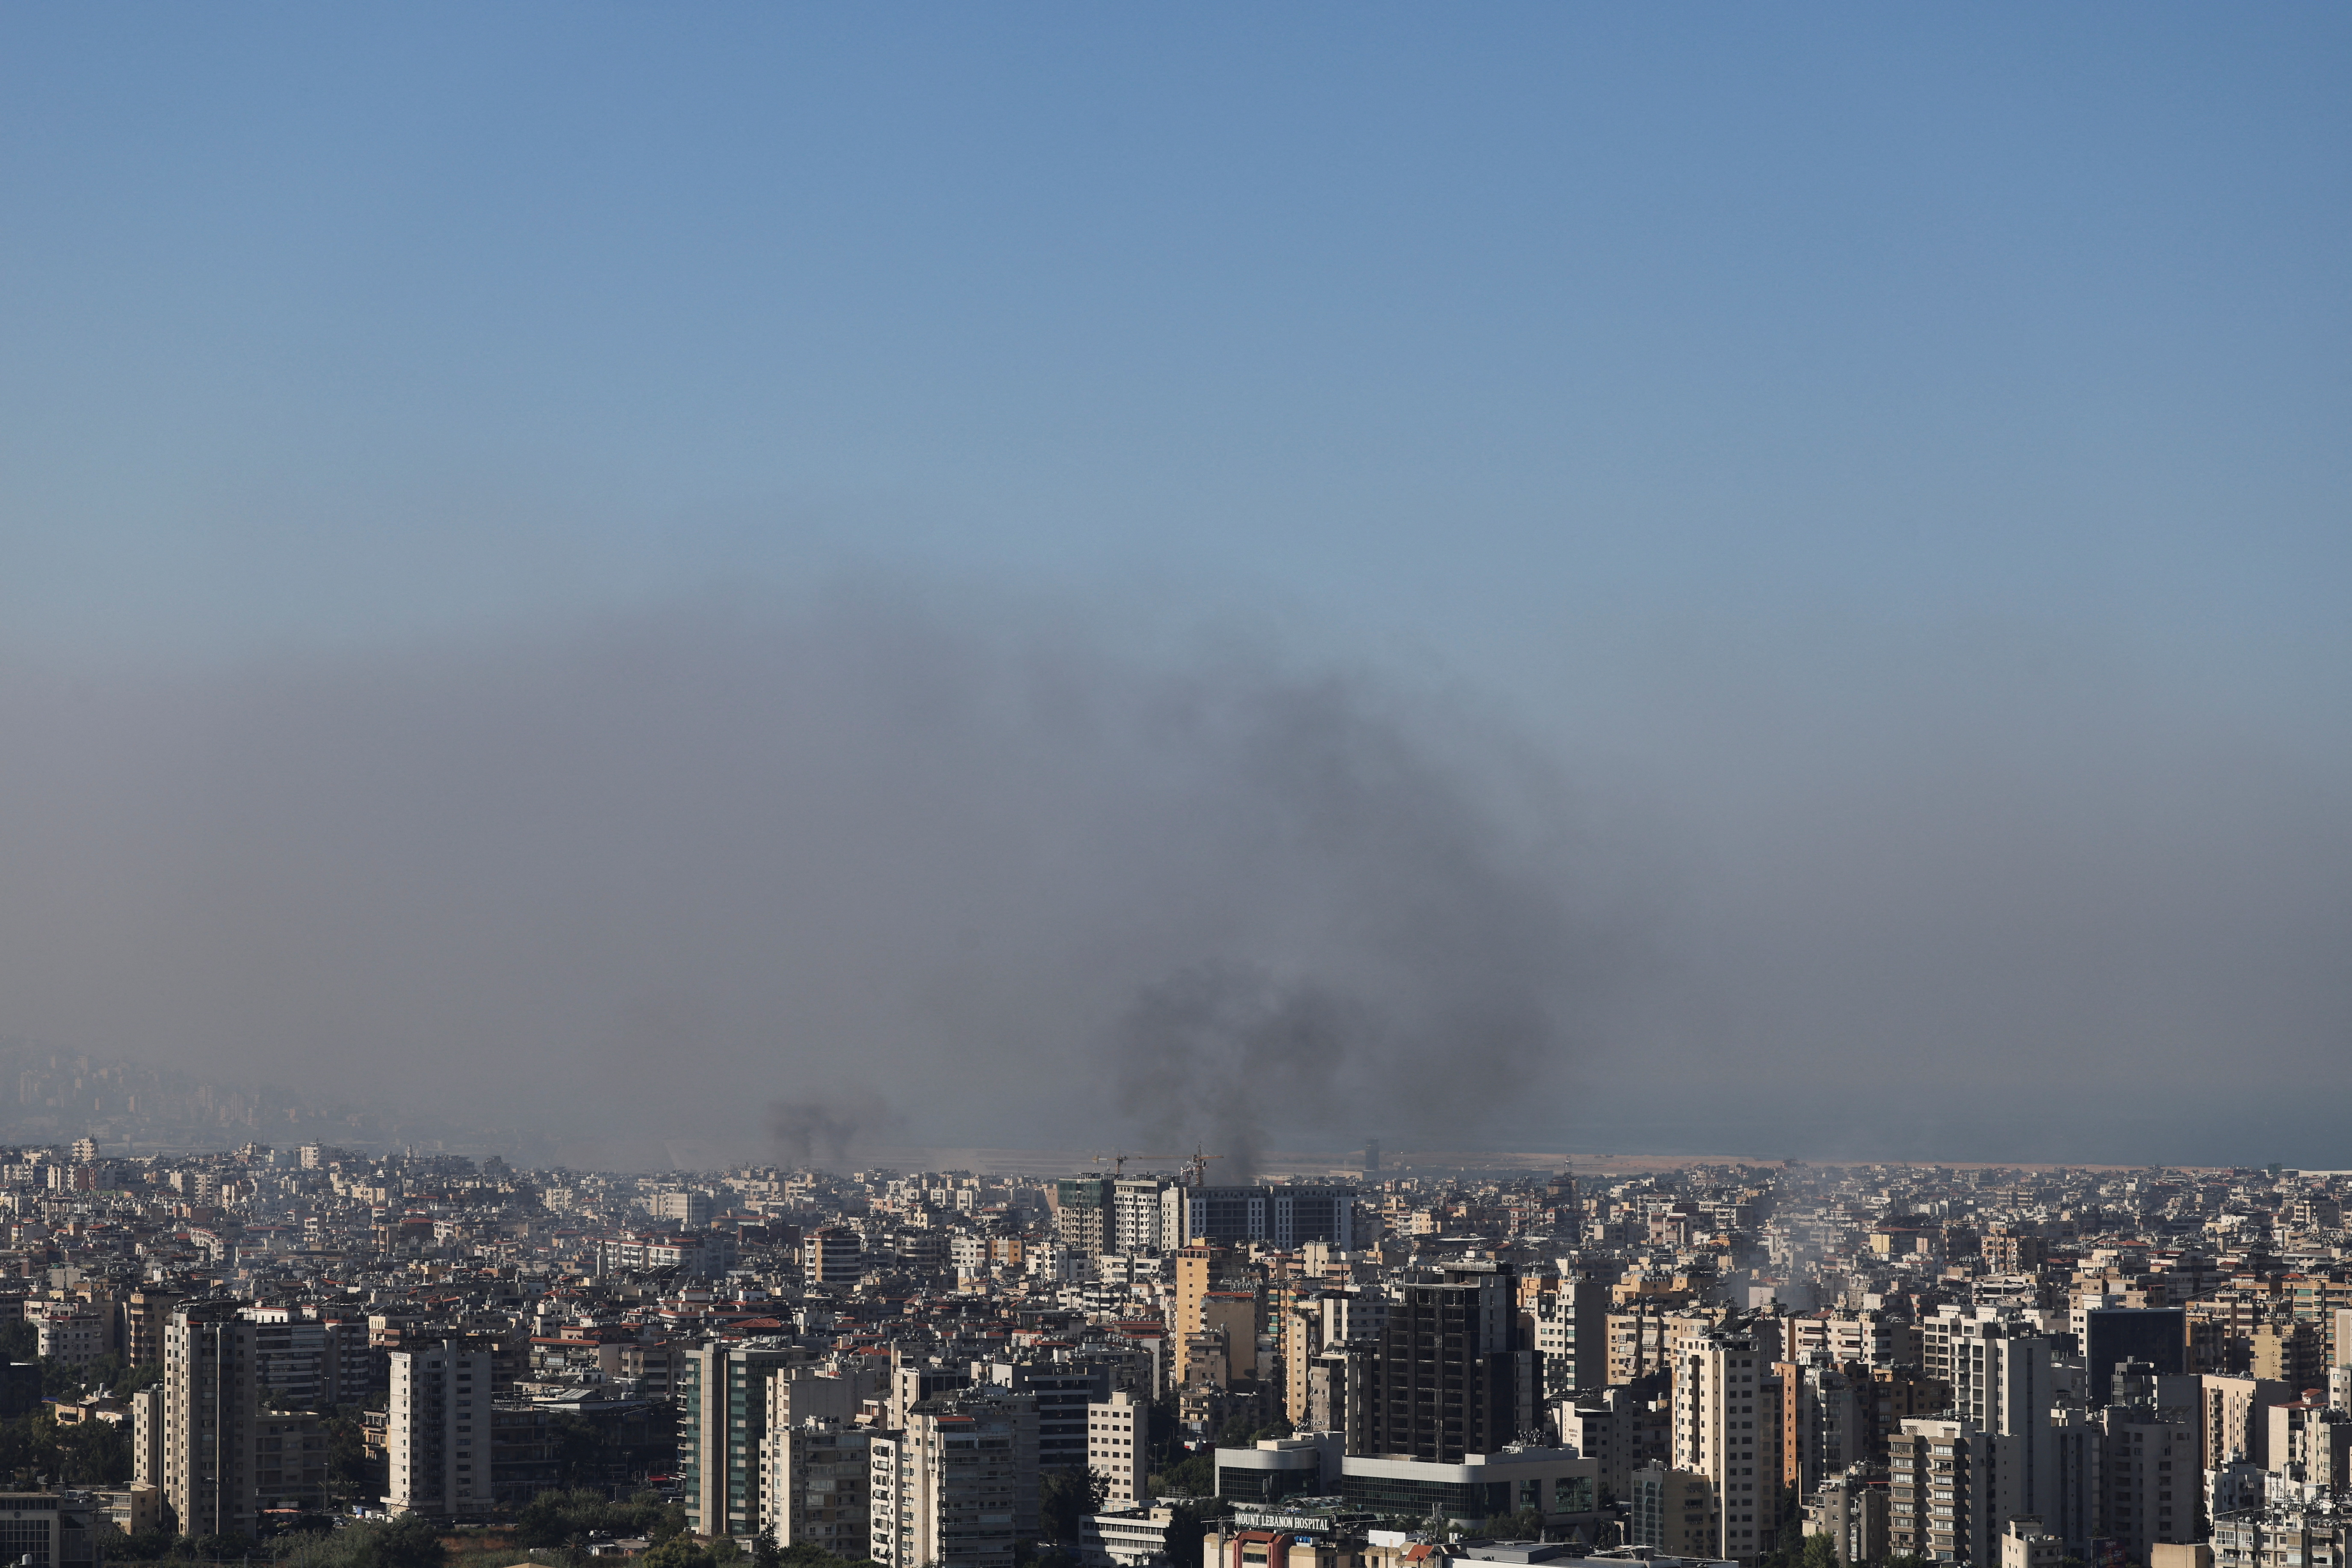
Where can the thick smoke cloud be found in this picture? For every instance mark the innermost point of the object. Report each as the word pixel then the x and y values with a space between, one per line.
pixel 1232 1050
pixel 814 1132
pixel 900 874
pixel 1443 966
pixel 1027 883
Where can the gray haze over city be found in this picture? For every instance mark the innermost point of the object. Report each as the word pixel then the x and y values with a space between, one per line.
pixel 909 867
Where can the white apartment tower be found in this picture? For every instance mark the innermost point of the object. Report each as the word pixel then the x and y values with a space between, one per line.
pixel 437 1431
pixel 2002 1382
pixel 1118 1446
pixel 1136 1222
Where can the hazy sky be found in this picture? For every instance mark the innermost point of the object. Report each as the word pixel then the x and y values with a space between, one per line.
pixel 1772 577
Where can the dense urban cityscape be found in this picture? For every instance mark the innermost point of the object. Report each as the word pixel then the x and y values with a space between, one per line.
pixel 274 1350
pixel 1220 785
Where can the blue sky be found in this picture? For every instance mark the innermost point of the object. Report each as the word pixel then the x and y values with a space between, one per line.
pixel 343 322
pixel 1776 412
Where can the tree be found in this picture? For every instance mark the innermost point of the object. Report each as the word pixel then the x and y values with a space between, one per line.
pixel 91 1454
pixel 1064 1498
pixel 764 1553
pixel 1788 1530
pixel 146 1374
pixel 147 1546
pixel 1239 1432
pixel 580 1447
pixel 554 1520
pixel 1187 1525
pixel 1528 1524
pixel 679 1551
pixel 408 1542
pixel 348 1466
pixel 801 1555
pixel 1193 1476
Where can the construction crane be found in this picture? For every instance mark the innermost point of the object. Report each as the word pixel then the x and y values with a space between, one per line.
pixel 1198 1165
pixel 1118 1161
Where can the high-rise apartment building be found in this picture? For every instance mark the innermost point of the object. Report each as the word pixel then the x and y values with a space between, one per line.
pixel 74 1332
pixel 1229 1328
pixel 1337 1382
pixel 147 1438
pixel 1564 1322
pixel 795 1396
pixel 1824 1421
pixel 307 1363
pixel 1082 1213
pixel 956 1486
pixel 208 1419
pixel 1320 1322
pixel 1288 1217
pixel 1948 1493
pixel 722 1413
pixel 2236 1425
pixel 1119 1447
pixel 2154 1492
pixel 691 1210
pixel 1139 1213
pixel 1673 1511
pixel 2312 1443
pixel 1196 1268
pixel 2004 1381
pixel 1622 1426
pixel 815 1488
pixel 1449 1377
pixel 912 1382
pixel 2157 1335
pixel 1062 1392
pixel 1850 1509
pixel 145 1317
pixel 1636 1341
pixel 437 1430
pixel 1727 1428
pixel 2291 1354
pixel 833 1255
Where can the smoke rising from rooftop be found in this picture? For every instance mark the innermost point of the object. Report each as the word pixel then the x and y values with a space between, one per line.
pixel 1448 957
pixel 814 1132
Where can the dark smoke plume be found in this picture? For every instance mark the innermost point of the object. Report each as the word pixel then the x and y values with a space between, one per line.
pixel 828 1126
pixel 1441 979
pixel 1229 1056
pixel 633 880
pixel 637 881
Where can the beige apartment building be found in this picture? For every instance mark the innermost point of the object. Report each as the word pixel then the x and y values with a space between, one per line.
pixel 1119 1447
